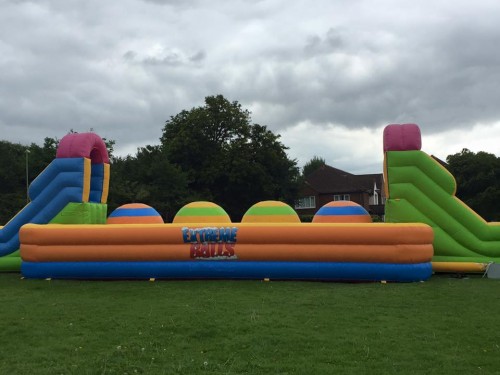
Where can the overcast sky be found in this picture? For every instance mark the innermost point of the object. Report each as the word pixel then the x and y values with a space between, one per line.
pixel 327 75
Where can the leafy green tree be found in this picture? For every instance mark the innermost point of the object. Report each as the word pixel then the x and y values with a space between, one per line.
pixel 227 159
pixel 313 164
pixel 12 179
pixel 256 168
pixel 16 163
pixel 200 139
pixel 478 181
pixel 211 153
pixel 149 178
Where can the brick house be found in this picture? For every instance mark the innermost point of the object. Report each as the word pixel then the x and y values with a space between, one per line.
pixel 328 184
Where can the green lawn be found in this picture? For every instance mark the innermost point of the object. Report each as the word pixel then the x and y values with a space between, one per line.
pixel 443 326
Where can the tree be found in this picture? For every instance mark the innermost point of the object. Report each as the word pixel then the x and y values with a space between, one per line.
pixel 199 140
pixel 12 179
pixel 478 181
pixel 16 163
pixel 149 178
pixel 256 169
pixel 313 164
pixel 227 159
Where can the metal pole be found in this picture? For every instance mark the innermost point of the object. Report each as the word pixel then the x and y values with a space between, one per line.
pixel 27 178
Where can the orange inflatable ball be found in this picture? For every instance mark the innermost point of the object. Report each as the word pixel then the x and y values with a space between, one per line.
pixel 135 213
pixel 342 212
pixel 270 212
pixel 202 212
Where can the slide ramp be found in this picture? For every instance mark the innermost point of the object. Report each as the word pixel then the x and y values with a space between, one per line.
pixel 79 174
pixel 421 189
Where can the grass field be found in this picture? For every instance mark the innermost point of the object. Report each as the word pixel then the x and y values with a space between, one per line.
pixel 443 326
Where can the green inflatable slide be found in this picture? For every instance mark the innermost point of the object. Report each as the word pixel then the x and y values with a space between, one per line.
pixel 420 189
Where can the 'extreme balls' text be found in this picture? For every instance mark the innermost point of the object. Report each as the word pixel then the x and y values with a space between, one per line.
pixel 211 242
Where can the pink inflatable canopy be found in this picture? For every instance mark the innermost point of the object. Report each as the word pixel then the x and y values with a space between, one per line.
pixel 404 137
pixel 83 145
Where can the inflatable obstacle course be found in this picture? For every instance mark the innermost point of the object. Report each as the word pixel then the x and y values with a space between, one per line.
pixel 202 242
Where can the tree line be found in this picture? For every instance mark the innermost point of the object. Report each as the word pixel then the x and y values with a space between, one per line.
pixel 478 181
pixel 215 153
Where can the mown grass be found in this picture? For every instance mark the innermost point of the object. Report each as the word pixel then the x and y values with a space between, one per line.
pixel 443 326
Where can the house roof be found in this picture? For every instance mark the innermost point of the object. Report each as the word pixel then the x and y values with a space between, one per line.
pixel 443 163
pixel 329 180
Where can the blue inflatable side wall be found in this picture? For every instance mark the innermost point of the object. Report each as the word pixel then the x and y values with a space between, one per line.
pixel 62 182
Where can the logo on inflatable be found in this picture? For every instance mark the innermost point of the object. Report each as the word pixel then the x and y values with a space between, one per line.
pixel 211 242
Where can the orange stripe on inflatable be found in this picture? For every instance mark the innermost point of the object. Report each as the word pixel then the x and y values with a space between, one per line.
pixel 465 267
pixel 136 219
pixel 105 184
pixel 134 205
pixel 244 252
pixel 87 172
pixel 251 233
pixel 201 204
pixel 193 220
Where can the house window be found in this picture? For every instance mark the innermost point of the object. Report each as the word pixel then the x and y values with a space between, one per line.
pixel 341 197
pixel 306 202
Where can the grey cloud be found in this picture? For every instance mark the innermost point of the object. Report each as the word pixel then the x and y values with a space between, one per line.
pixel 130 55
pixel 170 58
pixel 438 84
pixel 332 41
pixel 198 56
pixel 173 3
pixel 162 2
pixel 79 65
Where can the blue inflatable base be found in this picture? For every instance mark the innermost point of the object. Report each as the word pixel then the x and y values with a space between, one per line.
pixel 325 271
